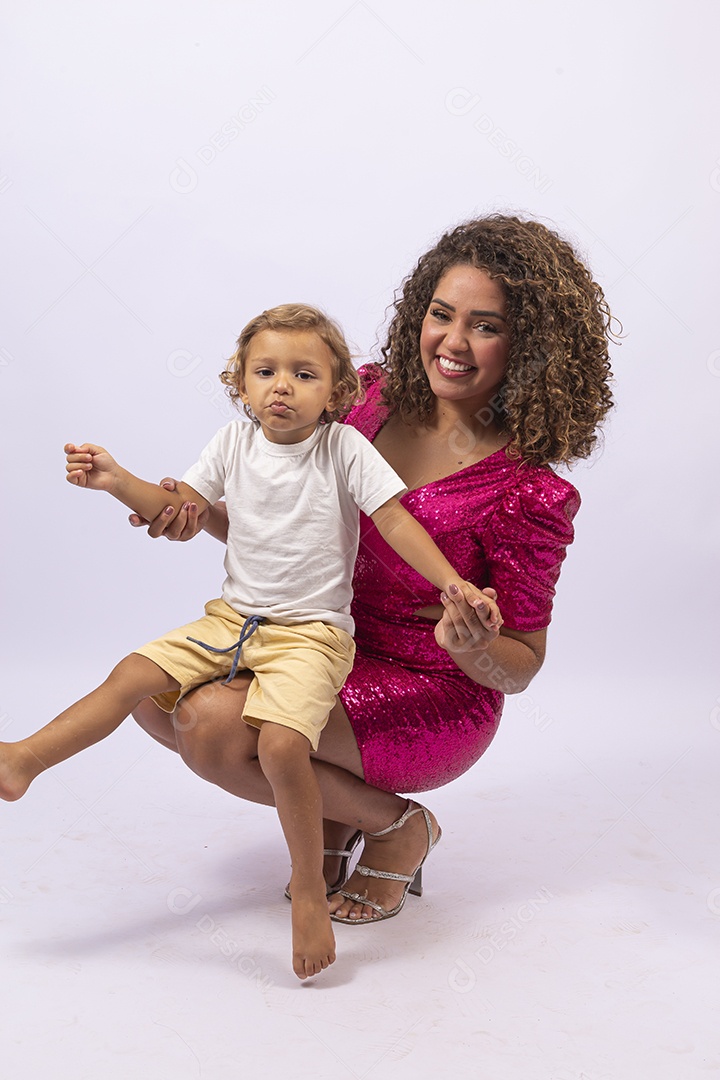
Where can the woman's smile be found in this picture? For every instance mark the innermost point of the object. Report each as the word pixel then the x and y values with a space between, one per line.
pixel 452 368
pixel 464 339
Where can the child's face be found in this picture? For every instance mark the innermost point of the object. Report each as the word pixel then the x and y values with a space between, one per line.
pixel 288 382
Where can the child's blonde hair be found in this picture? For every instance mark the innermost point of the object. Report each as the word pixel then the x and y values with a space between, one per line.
pixel 288 317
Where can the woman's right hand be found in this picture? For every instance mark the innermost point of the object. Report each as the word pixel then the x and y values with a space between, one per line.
pixel 468 626
pixel 182 524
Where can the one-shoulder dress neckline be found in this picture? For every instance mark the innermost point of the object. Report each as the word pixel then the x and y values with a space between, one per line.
pixel 457 472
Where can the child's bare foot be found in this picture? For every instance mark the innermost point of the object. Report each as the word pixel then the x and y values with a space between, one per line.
pixel 15 776
pixel 313 942
pixel 398 852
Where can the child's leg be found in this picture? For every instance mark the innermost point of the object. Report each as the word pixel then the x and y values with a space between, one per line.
pixel 86 722
pixel 284 756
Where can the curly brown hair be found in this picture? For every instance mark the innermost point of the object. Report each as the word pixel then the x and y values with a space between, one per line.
pixel 289 317
pixel 556 387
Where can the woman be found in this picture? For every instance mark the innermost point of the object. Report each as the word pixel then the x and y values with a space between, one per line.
pixel 495 367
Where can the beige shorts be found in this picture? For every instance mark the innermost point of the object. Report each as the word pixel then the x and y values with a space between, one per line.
pixel 298 670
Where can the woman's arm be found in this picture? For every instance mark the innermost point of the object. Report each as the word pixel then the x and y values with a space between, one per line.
pixel 507 663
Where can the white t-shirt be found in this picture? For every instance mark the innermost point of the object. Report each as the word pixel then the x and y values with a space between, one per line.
pixel 293 517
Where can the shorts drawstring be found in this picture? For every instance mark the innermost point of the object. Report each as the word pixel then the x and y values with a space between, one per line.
pixel 248 628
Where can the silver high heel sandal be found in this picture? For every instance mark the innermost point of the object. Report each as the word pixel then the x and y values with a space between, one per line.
pixel 413 882
pixel 345 857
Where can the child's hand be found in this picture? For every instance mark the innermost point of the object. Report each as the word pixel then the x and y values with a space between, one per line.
pixel 471 620
pixel 90 466
pixel 484 604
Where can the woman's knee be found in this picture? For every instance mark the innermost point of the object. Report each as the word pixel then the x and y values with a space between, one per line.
pixel 210 732
pixel 157 723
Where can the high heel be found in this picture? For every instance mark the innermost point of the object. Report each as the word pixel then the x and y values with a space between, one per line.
pixel 345 856
pixel 416 887
pixel 413 882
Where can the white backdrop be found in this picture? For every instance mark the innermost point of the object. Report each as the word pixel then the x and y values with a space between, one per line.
pixel 170 169
pixel 167 170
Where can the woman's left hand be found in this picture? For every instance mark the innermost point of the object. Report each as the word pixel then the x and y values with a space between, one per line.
pixel 461 628
pixel 173 524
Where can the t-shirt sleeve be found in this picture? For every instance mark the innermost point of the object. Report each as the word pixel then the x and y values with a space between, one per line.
pixel 525 543
pixel 370 480
pixel 207 475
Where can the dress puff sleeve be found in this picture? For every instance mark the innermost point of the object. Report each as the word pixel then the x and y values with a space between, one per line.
pixel 369 415
pixel 525 543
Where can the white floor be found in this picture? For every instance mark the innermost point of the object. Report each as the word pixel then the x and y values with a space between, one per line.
pixel 569 928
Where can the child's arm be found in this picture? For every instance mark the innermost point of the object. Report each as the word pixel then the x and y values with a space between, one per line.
pixel 92 467
pixel 408 538
pixel 186 523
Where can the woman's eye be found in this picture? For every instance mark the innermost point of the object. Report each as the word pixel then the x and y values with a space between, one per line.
pixel 487 327
pixel 438 313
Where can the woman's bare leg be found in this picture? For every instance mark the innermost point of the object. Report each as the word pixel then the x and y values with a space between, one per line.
pixel 218 734
pixel 156 723
pixel 220 747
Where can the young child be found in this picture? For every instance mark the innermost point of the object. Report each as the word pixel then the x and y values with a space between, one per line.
pixel 293 482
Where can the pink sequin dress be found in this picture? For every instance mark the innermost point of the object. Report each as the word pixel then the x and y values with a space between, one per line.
pixel 420 721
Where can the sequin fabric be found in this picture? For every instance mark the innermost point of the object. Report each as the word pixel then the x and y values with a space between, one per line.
pixel 420 721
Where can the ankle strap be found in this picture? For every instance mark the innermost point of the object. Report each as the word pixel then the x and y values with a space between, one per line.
pixel 412 808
